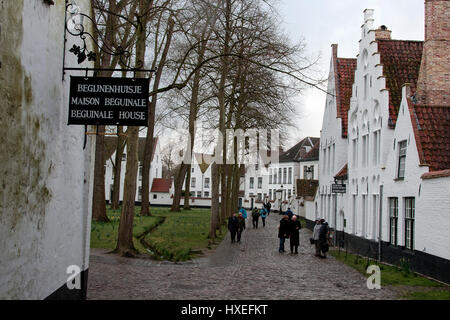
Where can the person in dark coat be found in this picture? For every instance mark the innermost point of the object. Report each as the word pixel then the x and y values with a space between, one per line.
pixel 268 205
pixel 294 229
pixel 323 239
pixel 283 232
pixel 233 225
pixel 255 217
pixel 241 226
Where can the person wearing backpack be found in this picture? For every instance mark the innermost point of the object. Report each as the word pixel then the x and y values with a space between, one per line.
pixel 263 214
pixel 255 217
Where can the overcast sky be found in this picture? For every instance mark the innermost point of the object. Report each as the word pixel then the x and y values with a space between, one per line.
pixel 324 22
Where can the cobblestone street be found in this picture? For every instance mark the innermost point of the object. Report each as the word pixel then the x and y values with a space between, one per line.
pixel 253 269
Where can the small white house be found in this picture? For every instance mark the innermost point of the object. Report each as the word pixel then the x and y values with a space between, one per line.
pixel 110 151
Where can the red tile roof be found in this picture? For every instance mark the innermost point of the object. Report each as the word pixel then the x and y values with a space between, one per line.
pixel 401 64
pixel 436 174
pixel 343 172
pixel 432 132
pixel 344 78
pixel 161 185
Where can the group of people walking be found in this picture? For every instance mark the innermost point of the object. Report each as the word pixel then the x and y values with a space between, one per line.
pixel 289 228
pixel 236 223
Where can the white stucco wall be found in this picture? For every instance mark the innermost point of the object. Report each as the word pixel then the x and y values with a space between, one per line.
pixel 433 217
pixel 45 201
pixel 331 162
pixel 368 112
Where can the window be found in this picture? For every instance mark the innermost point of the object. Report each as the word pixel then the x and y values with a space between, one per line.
pixel 199 194
pixel 409 223
pixel 366 89
pixel 364 205
pixel 155 196
pixel 192 194
pixel 401 159
pixel 376 147
pixel 140 173
pixel 333 157
pixel 206 182
pixel 284 175
pixel 270 194
pixel 124 156
pixel 206 194
pixel 355 153
pixel 259 182
pixel 393 217
pixel 290 176
pixel 259 197
pixel 279 175
pixel 192 170
pixel 252 183
pixel 270 176
pixel 193 182
pixel 140 194
pixel 308 172
pixel 329 160
pixel 256 167
pixel 289 193
pixel 275 176
pixel 365 151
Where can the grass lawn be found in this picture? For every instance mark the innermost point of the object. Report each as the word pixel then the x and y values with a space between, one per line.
pixel 182 235
pixel 104 234
pixel 395 276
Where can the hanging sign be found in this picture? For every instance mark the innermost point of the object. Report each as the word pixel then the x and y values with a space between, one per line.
pixel 338 188
pixel 108 101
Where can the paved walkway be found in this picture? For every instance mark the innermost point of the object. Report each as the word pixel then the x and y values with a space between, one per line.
pixel 251 270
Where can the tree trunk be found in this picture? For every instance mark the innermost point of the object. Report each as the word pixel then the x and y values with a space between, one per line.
pixel 115 197
pixel 125 246
pixel 214 202
pixel 149 141
pixel 179 180
pixel 187 188
pixel 98 197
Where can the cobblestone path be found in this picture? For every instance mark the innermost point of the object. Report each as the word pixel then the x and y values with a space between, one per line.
pixel 253 269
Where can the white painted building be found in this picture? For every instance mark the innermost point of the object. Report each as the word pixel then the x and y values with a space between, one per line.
pixel 398 152
pixel 110 153
pixel 200 186
pixel 293 164
pixel 256 185
pixel 333 140
pixel 46 193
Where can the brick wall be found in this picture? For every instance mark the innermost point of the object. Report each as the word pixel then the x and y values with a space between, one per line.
pixel 434 79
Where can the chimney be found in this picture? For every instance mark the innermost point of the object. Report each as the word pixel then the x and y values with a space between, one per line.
pixel 382 33
pixel 433 85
